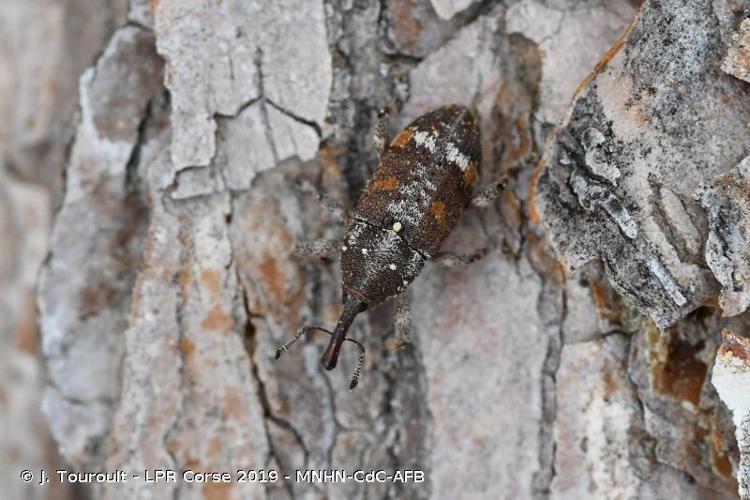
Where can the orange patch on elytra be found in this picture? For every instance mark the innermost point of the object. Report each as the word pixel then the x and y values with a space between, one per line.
pixel 217 320
pixel 387 184
pixel 402 138
pixel 470 175
pixel 437 209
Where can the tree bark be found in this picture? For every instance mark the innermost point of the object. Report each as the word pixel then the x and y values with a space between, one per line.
pixel 574 360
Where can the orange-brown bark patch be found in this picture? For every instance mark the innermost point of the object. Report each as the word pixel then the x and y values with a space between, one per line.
pixel 683 374
pixel 610 387
pixel 533 205
pixel 211 279
pixel 329 157
pixel 407 27
pixel 272 276
pixel 603 303
pixel 187 347
pixel 214 448
pixel 185 278
pixel 542 259
pixel 217 320
pixel 217 491
pixel 96 297
pixel 232 403
pixel 722 465
pixel 27 335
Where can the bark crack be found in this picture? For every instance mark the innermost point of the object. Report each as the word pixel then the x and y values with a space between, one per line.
pixel 249 341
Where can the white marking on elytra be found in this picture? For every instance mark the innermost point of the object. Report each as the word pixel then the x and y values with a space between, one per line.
pixel 426 139
pixel 405 282
pixel 392 267
pixel 407 210
pixel 388 245
pixel 344 248
pixel 455 156
pixel 364 251
pixel 355 233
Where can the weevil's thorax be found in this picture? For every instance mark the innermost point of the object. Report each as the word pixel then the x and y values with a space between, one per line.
pixel 425 178
pixel 377 263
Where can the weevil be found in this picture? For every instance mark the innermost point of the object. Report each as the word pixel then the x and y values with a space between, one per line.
pixel 424 181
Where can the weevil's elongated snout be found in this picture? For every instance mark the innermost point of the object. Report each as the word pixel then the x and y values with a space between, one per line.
pixel 352 307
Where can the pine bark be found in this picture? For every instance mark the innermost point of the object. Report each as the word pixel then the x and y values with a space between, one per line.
pixel 575 359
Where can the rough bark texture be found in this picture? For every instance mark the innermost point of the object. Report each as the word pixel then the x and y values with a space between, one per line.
pixel 572 361
pixel 731 377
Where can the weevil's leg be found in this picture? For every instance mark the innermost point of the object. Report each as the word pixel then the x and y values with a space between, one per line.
pixel 486 195
pixel 317 248
pixel 328 203
pixel 447 259
pixel 402 319
pixel 381 137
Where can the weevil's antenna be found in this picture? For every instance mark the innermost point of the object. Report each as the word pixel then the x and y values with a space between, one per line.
pixel 307 329
pixel 360 362
pixel 281 350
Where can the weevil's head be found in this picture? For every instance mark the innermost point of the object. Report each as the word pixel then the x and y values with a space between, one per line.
pixel 377 263
pixel 352 307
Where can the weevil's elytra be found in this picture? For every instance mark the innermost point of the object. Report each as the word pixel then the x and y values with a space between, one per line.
pixel 409 206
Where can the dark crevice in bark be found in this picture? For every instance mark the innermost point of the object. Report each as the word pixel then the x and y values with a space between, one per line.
pixel 240 110
pixel 297 118
pixel 249 341
pixel 131 167
pixel 542 479
pixel 475 11
pixel 132 23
